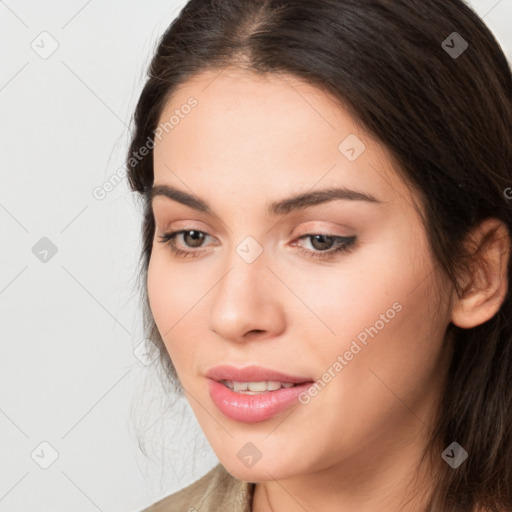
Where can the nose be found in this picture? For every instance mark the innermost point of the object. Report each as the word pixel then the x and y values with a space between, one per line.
pixel 245 303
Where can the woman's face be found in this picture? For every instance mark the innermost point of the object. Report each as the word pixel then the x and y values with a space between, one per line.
pixel 258 288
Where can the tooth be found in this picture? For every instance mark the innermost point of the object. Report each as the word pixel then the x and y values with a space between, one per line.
pixel 257 386
pixel 240 386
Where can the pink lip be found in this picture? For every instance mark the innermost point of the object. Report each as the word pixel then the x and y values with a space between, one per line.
pixel 252 374
pixel 253 408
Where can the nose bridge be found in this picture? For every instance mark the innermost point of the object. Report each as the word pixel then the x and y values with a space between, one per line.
pixel 242 301
pixel 247 270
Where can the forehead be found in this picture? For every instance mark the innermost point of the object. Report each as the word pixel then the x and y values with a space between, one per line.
pixel 232 97
pixel 271 134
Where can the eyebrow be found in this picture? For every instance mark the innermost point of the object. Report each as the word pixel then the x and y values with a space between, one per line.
pixel 281 207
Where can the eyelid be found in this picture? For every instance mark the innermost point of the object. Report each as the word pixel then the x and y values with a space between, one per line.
pixel 167 219
pixel 183 225
pixel 316 229
pixel 311 228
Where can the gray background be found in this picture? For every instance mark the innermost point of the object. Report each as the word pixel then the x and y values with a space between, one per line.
pixel 70 323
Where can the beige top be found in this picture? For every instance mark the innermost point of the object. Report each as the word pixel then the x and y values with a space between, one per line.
pixel 216 491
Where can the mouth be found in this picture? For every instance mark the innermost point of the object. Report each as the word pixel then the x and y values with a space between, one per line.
pixel 272 392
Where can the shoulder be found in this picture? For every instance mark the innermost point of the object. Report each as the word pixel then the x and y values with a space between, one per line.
pixel 216 490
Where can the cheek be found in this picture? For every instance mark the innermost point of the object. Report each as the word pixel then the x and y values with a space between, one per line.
pixel 383 318
pixel 379 298
pixel 172 291
pixel 157 284
pixel 165 300
pixel 391 347
pixel 175 300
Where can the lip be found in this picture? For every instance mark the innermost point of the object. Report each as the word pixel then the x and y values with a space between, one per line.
pixel 252 374
pixel 253 408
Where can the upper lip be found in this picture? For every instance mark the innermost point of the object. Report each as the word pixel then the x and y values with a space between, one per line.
pixel 252 374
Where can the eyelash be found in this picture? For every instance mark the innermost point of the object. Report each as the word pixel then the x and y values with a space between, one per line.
pixel 344 245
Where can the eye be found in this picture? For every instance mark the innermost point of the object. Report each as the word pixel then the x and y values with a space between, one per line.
pixel 189 235
pixel 324 246
pixel 327 246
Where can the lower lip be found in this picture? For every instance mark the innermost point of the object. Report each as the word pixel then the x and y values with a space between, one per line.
pixel 254 408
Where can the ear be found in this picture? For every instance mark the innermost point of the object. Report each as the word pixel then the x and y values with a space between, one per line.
pixel 486 280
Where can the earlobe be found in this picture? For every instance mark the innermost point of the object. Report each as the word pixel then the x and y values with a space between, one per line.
pixel 487 279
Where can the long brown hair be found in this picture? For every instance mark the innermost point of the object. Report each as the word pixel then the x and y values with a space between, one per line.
pixel 427 79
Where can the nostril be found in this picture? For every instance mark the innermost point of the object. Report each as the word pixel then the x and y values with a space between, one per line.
pixel 254 331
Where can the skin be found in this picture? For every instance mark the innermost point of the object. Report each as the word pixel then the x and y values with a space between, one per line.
pixel 356 445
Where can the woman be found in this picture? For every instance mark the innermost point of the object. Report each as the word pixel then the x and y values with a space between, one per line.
pixel 326 243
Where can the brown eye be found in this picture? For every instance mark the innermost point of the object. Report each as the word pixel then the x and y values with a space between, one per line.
pixel 327 246
pixel 322 242
pixel 193 238
pixel 189 238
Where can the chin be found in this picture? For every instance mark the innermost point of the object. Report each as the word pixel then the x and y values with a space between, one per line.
pixel 260 472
